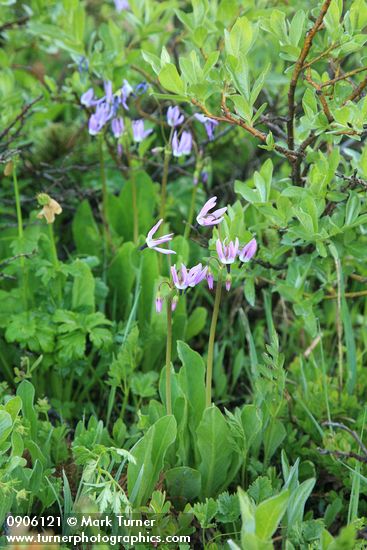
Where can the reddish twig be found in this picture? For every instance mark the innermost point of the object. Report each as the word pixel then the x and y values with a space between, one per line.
pixel 298 68
pixel 19 117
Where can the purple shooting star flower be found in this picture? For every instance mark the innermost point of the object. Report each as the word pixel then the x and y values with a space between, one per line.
pixel 248 251
pixel 209 124
pixel 139 133
pixel 180 279
pixel 227 253
pixel 213 218
pixel 228 282
pixel 174 117
pixel 152 243
pixel 183 146
pixel 117 126
pixel 196 275
pixel 188 277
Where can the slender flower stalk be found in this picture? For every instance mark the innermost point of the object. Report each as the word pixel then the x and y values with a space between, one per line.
pixel 213 326
pixel 133 190
pixel 106 230
pixel 168 357
pixel 51 208
pixel 135 207
pixel 20 234
pixel 55 261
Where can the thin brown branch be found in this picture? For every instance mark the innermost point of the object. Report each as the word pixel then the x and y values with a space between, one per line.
pixel 268 265
pixel 344 76
pixel 8 261
pixel 231 119
pixel 343 454
pixel 357 92
pixel 323 54
pixel 15 23
pixel 320 95
pixel 20 116
pixel 298 68
pixel 349 431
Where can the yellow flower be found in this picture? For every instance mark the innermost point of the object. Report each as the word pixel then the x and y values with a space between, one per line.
pixel 50 207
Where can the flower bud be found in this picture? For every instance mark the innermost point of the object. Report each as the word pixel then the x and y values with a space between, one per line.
pixel 8 168
pixel 174 302
pixel 210 279
pixel 228 282
pixel 158 303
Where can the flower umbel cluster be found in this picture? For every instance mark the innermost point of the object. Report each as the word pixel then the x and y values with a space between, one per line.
pixel 187 278
pixel 184 278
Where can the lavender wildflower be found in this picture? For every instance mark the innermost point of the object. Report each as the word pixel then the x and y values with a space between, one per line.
pixel 122 5
pixel 107 84
pixel 88 98
pixel 174 117
pixel 99 118
pixel 117 126
pixel 183 146
pixel 140 89
pixel 126 91
pixel 139 133
pixel 209 124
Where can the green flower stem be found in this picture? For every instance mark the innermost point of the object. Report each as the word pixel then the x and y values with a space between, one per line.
pixel 20 235
pixel 106 230
pixel 191 213
pixel 17 202
pixel 168 357
pixel 133 190
pixel 135 207
pixel 213 326
pixel 167 157
pixel 55 261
